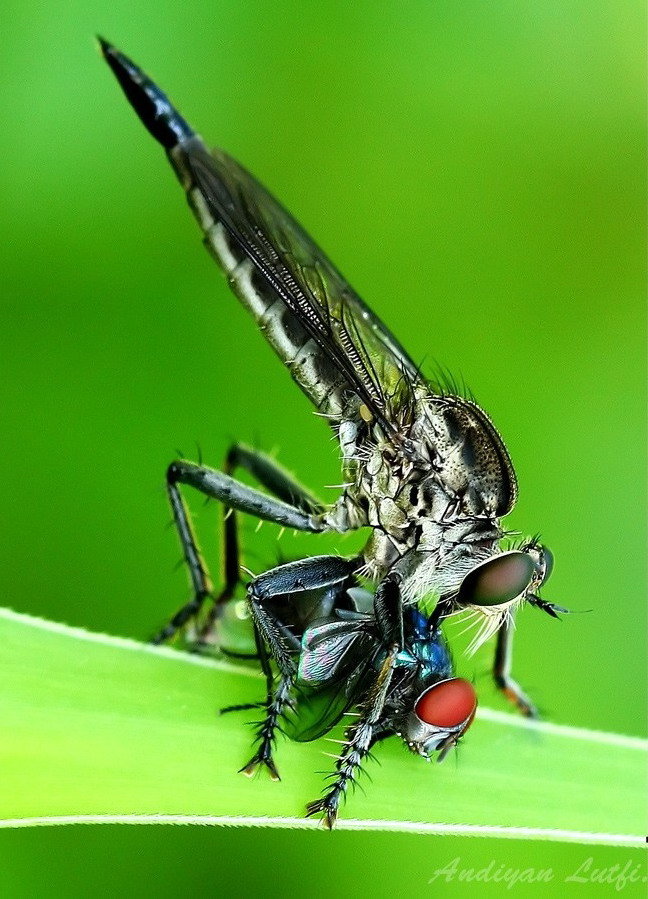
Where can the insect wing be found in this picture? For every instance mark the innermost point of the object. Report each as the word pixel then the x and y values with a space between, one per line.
pixel 353 367
pixel 334 658
pixel 330 649
pixel 367 358
pixel 316 710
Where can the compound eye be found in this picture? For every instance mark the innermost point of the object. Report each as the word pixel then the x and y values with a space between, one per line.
pixel 448 704
pixel 499 580
pixel 548 559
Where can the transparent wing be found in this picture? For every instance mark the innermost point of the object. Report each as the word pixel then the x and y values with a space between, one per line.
pixel 372 363
pixel 334 659
pixel 317 710
pixel 331 648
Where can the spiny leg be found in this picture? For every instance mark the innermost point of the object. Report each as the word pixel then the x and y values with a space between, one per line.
pixel 282 485
pixel 275 700
pixel 502 672
pixel 273 477
pixel 276 704
pixel 361 736
pixel 262 655
pixel 235 495
pixel 198 574
pixel 319 572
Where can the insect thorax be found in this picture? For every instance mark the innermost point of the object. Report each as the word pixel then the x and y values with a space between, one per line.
pixel 425 505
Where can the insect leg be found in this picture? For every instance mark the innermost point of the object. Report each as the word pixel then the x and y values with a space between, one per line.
pixel 235 495
pixel 359 740
pixel 388 610
pixel 502 672
pixel 273 477
pixel 293 578
pixel 262 655
pixel 281 484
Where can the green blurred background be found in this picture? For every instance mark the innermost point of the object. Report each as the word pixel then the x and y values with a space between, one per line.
pixel 478 172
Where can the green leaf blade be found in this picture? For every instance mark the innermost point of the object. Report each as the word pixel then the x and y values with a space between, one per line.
pixel 99 728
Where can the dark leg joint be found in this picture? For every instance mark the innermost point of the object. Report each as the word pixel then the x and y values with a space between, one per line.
pixel 180 618
pixel 173 473
pixel 327 807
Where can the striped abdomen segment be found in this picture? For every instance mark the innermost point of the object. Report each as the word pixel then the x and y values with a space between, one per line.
pixel 309 365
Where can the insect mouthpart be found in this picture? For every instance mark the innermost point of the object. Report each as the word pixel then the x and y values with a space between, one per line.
pixel 441 715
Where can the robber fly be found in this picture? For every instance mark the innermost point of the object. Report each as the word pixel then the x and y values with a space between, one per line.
pixel 423 466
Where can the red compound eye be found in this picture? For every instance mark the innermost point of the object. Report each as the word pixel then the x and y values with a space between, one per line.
pixel 447 704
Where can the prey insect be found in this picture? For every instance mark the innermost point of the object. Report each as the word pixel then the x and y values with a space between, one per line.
pixel 423 467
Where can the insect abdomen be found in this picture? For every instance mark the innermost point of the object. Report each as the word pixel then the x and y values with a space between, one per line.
pixel 309 366
pixel 152 105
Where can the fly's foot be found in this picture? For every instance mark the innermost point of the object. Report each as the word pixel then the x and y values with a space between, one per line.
pixel 517 696
pixel 180 619
pixel 262 757
pixel 529 710
pixel 327 807
pixel 200 647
